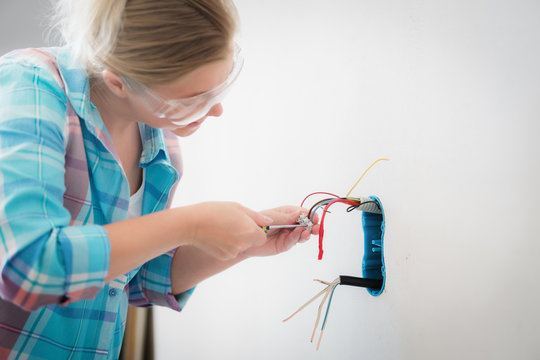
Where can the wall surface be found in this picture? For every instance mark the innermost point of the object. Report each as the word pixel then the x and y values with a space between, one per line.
pixel 449 92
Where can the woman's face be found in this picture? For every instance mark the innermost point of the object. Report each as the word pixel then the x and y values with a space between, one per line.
pixel 199 81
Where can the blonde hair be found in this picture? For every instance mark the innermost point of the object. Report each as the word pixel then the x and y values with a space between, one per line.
pixel 151 41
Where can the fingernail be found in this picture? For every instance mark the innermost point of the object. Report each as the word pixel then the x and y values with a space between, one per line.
pixel 269 219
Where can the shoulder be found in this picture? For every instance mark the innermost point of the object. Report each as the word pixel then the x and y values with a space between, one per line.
pixel 32 57
pixel 31 69
pixel 31 89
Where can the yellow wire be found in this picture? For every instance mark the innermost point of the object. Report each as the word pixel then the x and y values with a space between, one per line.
pixel 365 172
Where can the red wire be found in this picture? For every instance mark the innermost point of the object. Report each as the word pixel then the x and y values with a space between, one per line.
pixel 315 193
pixel 321 229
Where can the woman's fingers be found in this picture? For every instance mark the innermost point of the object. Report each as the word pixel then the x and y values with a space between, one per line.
pixel 258 217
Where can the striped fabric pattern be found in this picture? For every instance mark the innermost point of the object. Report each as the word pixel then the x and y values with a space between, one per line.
pixel 60 181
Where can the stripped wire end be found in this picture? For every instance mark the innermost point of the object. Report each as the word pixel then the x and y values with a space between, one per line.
pixel 328 293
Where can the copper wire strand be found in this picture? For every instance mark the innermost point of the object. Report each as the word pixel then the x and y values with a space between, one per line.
pixel 322 281
pixel 306 304
pixel 328 291
pixel 313 298
pixel 327 312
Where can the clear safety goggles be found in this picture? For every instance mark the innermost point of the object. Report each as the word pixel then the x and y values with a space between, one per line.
pixel 187 110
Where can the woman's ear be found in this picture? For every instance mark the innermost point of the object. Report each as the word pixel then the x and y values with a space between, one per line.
pixel 115 83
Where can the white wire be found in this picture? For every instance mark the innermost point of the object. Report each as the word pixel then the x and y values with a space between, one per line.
pixel 327 291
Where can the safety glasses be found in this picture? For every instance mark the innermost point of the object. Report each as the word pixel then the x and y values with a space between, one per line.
pixel 187 110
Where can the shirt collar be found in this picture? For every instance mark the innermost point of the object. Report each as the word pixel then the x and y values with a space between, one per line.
pixel 154 145
pixel 77 87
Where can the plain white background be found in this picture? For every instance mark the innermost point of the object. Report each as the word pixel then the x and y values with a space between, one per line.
pixel 449 91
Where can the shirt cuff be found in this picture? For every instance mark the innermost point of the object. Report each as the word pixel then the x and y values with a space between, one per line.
pixel 86 254
pixel 152 285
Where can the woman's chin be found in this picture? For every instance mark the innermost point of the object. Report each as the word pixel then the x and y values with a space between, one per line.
pixel 188 129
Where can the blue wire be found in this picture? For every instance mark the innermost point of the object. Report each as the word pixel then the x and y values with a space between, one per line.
pixel 328 307
pixel 318 206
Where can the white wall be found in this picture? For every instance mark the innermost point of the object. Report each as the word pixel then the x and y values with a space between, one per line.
pixel 449 91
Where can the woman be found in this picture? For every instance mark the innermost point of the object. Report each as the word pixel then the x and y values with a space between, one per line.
pixel 88 167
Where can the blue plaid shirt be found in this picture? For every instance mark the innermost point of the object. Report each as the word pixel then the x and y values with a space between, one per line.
pixel 60 181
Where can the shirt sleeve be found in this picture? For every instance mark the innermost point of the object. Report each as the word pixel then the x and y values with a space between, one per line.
pixel 152 285
pixel 43 260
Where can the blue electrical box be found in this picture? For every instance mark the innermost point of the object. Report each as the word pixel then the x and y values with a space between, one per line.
pixel 373 261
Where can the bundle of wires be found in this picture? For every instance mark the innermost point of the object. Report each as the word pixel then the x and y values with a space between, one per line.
pixel 325 204
pixel 328 292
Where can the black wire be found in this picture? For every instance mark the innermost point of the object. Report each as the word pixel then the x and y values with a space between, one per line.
pixel 316 204
pixel 349 209
pixel 375 284
pixel 353 207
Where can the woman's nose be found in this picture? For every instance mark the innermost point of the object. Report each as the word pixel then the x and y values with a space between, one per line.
pixel 215 110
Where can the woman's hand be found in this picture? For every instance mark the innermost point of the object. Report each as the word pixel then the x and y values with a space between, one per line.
pixel 226 229
pixel 281 240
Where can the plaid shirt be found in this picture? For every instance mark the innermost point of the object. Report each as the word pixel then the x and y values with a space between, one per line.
pixel 60 181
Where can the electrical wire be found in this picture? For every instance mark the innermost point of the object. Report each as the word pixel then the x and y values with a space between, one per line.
pixel 315 193
pixel 321 228
pixel 326 315
pixel 327 292
pixel 353 203
pixel 306 304
pixel 319 311
pixel 365 172
pixel 318 205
